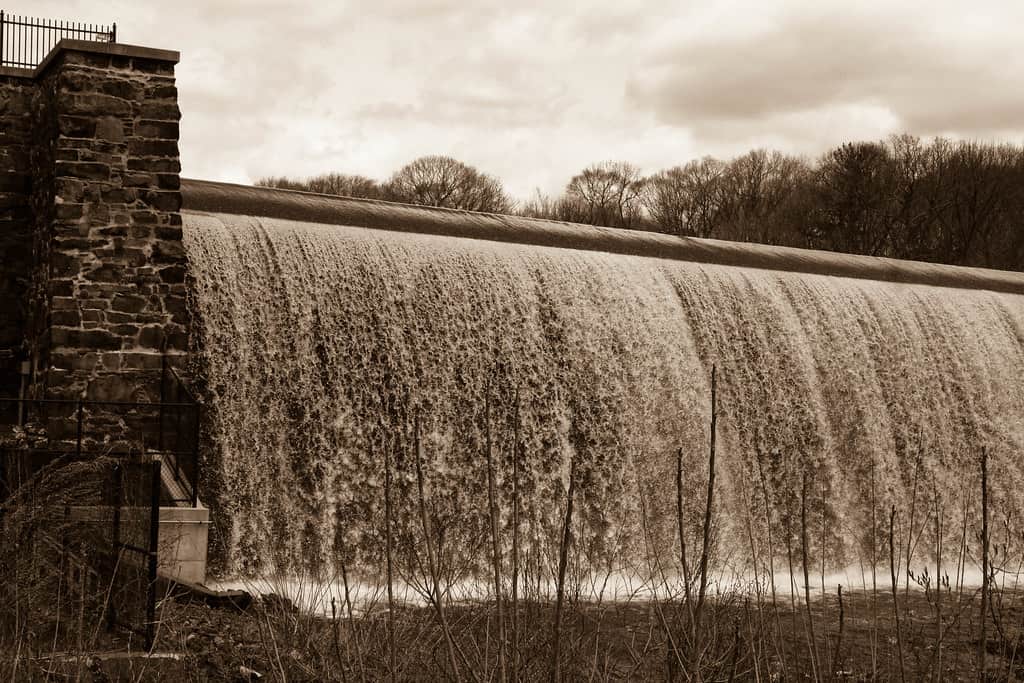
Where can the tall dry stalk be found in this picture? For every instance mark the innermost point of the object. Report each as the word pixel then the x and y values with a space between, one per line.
pixel 824 602
pixel 910 531
pixel 492 504
pixel 837 657
pixel 390 566
pixel 812 638
pixel 758 588
pixel 895 596
pixel 337 642
pixel 515 541
pixel 680 520
pixel 985 587
pixel 938 580
pixel 563 561
pixel 771 568
pixel 351 619
pixel 708 511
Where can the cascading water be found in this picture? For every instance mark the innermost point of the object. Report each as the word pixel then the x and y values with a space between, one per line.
pixel 322 346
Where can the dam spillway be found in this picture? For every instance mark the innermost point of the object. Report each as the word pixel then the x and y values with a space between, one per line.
pixel 328 328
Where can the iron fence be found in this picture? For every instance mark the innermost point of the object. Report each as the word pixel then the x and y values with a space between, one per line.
pixel 80 540
pixel 168 429
pixel 87 478
pixel 25 41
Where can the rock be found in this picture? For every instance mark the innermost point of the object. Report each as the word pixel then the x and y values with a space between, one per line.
pixel 248 674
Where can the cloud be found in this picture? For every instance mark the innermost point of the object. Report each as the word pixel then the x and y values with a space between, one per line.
pixel 534 91
pixel 928 78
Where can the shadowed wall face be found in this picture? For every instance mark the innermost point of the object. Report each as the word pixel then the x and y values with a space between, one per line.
pixel 15 225
pixel 321 344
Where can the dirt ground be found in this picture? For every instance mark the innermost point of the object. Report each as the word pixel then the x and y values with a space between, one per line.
pixel 640 641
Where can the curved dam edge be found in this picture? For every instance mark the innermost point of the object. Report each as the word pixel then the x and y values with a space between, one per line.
pixel 201 196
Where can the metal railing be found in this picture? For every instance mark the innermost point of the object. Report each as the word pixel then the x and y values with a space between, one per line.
pixel 25 41
pixel 179 437
pixel 168 428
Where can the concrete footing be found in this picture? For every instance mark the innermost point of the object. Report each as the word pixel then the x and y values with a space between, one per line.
pixel 183 539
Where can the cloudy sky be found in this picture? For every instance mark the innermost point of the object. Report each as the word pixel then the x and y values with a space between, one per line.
pixel 534 91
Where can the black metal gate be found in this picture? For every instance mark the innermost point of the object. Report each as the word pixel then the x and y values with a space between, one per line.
pixel 135 541
pixel 87 530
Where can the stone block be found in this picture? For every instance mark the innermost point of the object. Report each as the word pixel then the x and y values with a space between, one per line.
pixel 155 165
pixel 141 360
pixel 82 169
pixel 96 104
pixel 124 330
pixel 153 148
pixel 66 318
pixel 119 195
pixel 77 126
pixel 121 88
pixel 69 190
pixel 152 337
pixel 158 130
pixel 168 252
pixel 160 111
pixel 126 303
pixel 74 360
pixel 108 272
pixel 171 234
pixel 110 129
pixel 94 340
pixel 164 202
pixel 69 212
pixel 172 274
pixel 114 387
pixel 152 66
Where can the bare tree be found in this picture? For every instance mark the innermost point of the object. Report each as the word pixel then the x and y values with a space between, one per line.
pixel 562 208
pixel 942 201
pixel 687 200
pixel 447 182
pixel 608 194
pixel 759 197
pixel 341 184
pixel 984 188
pixel 854 202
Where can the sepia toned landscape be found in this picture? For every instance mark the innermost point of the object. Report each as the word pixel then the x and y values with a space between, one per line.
pixel 737 416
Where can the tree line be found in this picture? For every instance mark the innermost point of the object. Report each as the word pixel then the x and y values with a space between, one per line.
pixel 956 202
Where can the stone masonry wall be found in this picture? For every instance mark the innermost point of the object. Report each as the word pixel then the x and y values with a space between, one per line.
pixel 107 293
pixel 115 288
pixel 15 225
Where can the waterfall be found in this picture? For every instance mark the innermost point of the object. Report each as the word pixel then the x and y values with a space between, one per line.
pixel 321 346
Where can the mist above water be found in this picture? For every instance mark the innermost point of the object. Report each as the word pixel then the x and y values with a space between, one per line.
pixel 320 345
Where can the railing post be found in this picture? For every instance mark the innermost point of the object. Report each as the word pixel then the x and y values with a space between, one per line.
pixel 195 457
pixel 154 546
pixel 115 545
pixel 2 31
pixel 113 32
